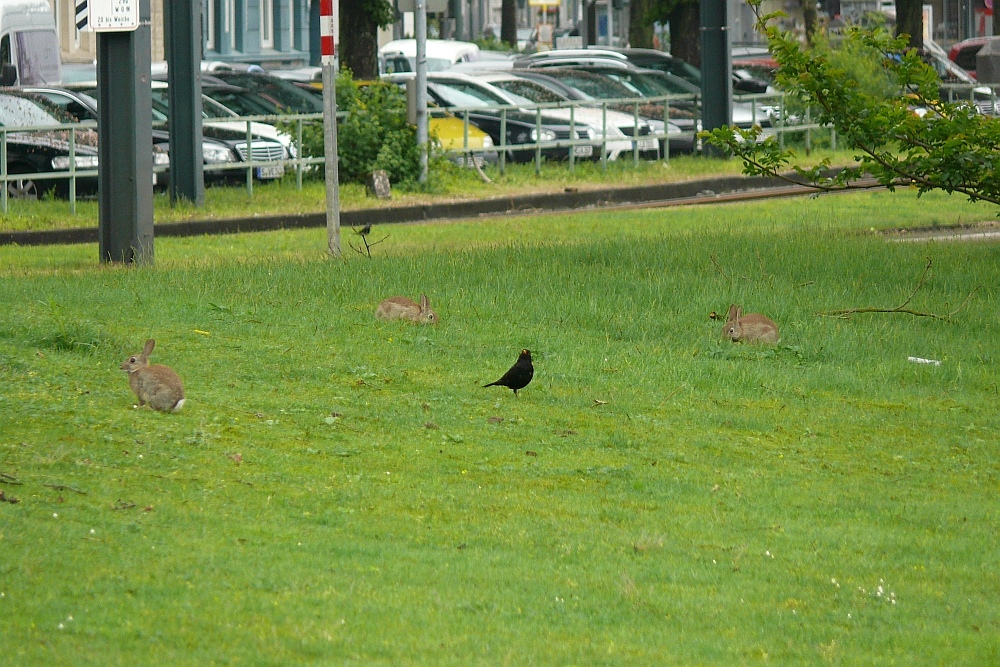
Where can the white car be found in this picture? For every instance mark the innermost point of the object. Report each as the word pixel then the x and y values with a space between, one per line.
pixel 441 53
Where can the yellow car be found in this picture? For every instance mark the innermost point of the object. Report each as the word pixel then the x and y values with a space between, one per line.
pixel 448 134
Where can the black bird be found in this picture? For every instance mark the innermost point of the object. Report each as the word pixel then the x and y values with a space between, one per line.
pixel 365 231
pixel 519 374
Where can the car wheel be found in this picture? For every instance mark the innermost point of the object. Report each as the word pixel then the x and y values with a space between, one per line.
pixel 22 188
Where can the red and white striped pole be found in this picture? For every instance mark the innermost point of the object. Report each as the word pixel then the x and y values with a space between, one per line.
pixel 330 126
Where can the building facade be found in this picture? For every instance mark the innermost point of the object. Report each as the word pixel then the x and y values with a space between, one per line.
pixel 272 33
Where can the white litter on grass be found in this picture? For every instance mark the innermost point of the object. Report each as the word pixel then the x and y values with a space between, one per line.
pixel 921 360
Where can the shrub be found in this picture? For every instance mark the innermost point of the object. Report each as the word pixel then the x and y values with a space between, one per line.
pixel 373 135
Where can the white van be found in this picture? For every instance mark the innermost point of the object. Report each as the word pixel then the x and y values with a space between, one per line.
pixel 29 45
pixel 441 54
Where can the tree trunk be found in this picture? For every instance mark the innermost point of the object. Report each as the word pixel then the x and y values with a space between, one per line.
pixel 685 32
pixel 640 33
pixel 358 47
pixel 809 18
pixel 910 21
pixel 508 22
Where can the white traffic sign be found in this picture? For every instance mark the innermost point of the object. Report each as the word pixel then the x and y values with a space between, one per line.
pixel 113 15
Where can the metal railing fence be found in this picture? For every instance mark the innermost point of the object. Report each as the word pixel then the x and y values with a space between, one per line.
pixel 598 143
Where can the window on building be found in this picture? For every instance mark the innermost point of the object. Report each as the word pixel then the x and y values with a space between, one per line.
pixel 267 24
pixel 209 24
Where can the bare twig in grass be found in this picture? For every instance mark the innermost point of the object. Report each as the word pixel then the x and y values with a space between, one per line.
pixel 122 505
pixel 671 395
pixel 718 268
pixel 901 308
pixel 368 246
pixel 9 479
pixel 760 261
pixel 8 499
pixel 63 487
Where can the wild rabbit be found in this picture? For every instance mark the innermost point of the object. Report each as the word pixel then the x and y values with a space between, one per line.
pixel 401 308
pixel 749 328
pixel 157 385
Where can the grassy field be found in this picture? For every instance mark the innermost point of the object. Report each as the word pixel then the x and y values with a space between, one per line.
pixel 340 490
pixel 446 184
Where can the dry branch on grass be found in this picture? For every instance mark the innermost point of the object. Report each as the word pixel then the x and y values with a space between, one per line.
pixel 901 308
pixel 63 487
pixel 368 246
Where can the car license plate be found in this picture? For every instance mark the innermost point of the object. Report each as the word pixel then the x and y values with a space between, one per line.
pixel 647 144
pixel 271 171
pixel 583 151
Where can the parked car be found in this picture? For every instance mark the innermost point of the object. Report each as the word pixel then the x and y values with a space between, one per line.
pixel 82 107
pixel 654 83
pixel 621 127
pixel 43 151
pixel 680 133
pixel 522 128
pixel 578 84
pixel 964 53
pixel 225 141
pixel 282 95
pixel 400 55
pixel 638 58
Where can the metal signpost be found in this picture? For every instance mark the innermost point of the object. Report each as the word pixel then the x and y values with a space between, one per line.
pixel 422 129
pixel 125 157
pixel 716 68
pixel 182 20
pixel 420 9
pixel 328 48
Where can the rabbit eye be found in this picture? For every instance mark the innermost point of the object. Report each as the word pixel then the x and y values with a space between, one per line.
pixel 132 359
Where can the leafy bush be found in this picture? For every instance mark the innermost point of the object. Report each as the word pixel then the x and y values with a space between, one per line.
pixel 374 134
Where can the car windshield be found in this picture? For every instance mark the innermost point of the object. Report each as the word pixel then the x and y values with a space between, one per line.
pixel 37 57
pixel 529 90
pixel 209 107
pixel 283 92
pixel 641 85
pixel 452 97
pixel 672 84
pixel 491 98
pixel 596 86
pixel 433 65
pixel 674 66
pixel 159 102
pixel 18 111
pixel 244 103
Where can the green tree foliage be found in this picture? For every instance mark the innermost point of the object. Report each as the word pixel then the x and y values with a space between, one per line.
pixel 908 137
pixel 373 135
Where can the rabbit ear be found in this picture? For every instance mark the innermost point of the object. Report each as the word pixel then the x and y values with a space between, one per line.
pixel 424 302
pixel 734 312
pixel 739 312
pixel 148 347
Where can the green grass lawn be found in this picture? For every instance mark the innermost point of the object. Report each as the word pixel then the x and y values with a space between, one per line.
pixel 341 490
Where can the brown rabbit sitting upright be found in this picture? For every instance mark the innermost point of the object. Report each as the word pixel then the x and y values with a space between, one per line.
pixel 401 308
pixel 749 328
pixel 157 385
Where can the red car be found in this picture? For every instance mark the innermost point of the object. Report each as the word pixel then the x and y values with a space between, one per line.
pixel 964 53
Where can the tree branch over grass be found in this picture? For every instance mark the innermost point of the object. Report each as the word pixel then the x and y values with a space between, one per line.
pixel 946 146
pixel 901 308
